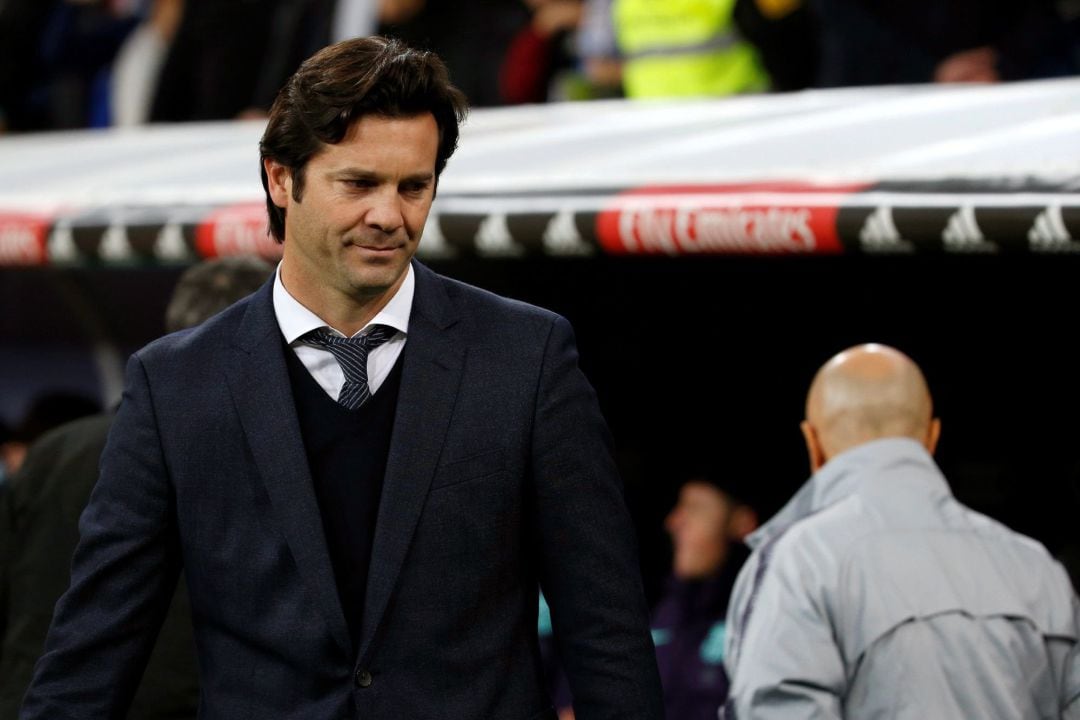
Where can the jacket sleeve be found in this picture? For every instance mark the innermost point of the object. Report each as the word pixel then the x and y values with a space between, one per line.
pixel 1070 685
pixel 124 572
pixel 783 662
pixel 586 547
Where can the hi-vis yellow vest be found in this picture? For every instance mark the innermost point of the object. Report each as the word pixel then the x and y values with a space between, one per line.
pixel 677 48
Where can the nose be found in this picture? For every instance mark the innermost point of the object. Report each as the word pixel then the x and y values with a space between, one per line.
pixel 384 213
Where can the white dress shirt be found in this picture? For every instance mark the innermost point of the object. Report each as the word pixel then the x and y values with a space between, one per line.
pixel 295 320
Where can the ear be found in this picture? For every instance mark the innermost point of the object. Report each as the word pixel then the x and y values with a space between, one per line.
pixel 743 521
pixel 813 446
pixel 933 434
pixel 278 182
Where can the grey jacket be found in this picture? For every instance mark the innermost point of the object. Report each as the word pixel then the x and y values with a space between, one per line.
pixel 874 593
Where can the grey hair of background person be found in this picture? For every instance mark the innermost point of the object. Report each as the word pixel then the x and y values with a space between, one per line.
pixel 210 286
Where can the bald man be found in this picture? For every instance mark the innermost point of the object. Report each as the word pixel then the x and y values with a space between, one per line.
pixel 874 593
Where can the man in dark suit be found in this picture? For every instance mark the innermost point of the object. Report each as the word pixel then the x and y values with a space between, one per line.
pixel 39 525
pixel 365 469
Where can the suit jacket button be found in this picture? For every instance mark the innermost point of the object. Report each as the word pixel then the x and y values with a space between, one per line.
pixel 363 679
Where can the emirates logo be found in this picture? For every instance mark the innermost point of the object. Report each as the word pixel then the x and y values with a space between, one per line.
pixel 718 230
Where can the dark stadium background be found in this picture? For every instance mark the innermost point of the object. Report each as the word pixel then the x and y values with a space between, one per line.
pixel 707 360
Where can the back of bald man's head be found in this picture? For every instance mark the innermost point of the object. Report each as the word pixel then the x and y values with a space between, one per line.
pixel 866 393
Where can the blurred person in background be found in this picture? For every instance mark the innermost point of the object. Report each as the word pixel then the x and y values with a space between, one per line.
pixel 684 48
pixel 56 58
pixel 39 525
pixel 877 42
pixel 540 63
pixel 874 593
pixel 136 71
pixel 300 28
pixel 786 36
pixel 218 64
pixel 707 528
pixel 471 36
pixel 229 58
pixel 596 47
pixel 716 509
pixel 47 410
pixel 697 48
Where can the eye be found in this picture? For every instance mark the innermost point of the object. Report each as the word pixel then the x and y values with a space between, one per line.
pixel 414 188
pixel 361 182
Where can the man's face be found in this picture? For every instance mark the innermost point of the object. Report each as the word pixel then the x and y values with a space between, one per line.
pixel 699 531
pixel 364 204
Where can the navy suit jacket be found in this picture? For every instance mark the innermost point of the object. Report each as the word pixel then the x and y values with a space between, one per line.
pixel 499 477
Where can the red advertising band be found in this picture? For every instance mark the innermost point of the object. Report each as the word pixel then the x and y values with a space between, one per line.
pixel 680 220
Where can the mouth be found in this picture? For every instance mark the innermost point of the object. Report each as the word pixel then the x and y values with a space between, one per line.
pixel 378 248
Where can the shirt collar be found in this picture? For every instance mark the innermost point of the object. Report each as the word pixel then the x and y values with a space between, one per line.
pixel 837 480
pixel 295 320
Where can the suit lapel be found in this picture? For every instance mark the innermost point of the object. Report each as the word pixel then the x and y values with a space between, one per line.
pixel 259 381
pixel 431 373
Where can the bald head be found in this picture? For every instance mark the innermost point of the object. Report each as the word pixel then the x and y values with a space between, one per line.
pixel 866 393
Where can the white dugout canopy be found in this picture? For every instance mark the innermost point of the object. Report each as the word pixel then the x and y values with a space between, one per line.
pixel 909 169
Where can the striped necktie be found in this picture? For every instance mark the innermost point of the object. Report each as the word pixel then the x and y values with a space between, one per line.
pixel 351 354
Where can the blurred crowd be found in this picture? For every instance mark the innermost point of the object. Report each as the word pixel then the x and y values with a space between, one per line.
pixel 96 63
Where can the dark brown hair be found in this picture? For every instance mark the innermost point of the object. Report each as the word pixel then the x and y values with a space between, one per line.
pixel 340 84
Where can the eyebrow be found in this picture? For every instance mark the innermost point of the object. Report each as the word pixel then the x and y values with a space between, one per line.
pixel 361 174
